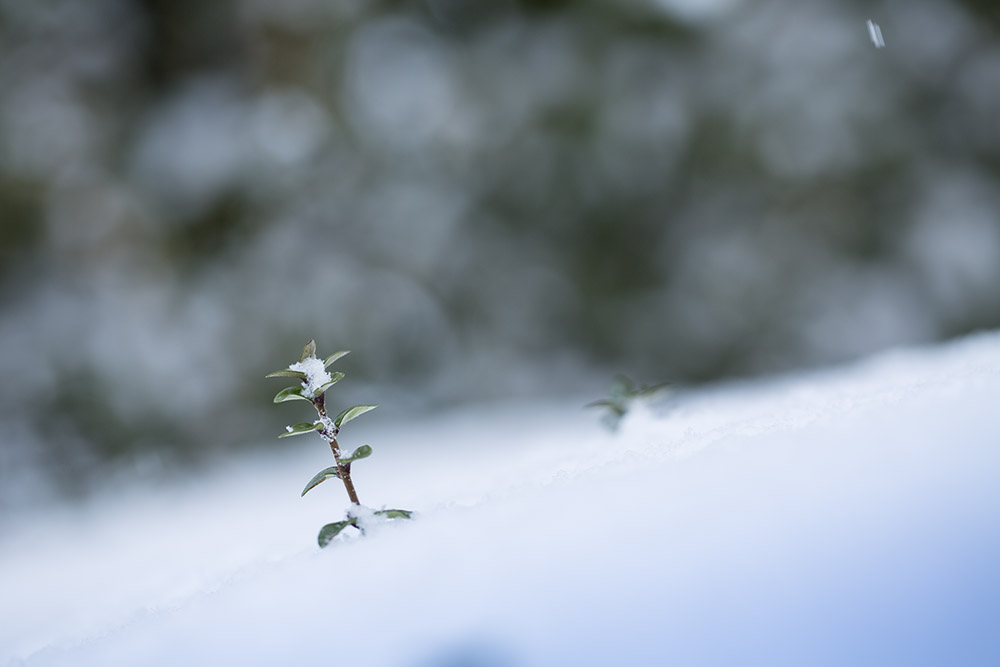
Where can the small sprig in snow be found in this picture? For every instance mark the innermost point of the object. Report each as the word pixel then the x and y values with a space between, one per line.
pixel 316 374
pixel 623 394
pixel 315 381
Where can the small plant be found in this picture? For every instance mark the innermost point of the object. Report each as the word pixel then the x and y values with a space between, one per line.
pixel 622 394
pixel 315 380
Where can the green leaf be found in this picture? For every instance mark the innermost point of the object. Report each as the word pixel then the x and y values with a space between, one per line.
pixel 649 390
pixel 302 427
pixel 362 452
pixel 289 394
pixel 286 373
pixel 622 387
pixel 395 514
pixel 350 413
pixel 308 351
pixel 333 357
pixel 321 477
pixel 614 406
pixel 331 530
pixel 336 377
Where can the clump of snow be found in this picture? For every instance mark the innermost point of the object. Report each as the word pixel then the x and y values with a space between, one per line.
pixel 362 513
pixel 316 374
pixel 369 518
pixel 843 517
pixel 365 517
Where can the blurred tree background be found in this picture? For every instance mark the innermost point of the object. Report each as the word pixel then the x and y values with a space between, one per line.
pixel 482 198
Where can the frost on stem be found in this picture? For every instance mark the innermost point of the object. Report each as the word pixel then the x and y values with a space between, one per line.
pixel 327 423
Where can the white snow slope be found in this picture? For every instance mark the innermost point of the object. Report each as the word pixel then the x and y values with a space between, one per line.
pixel 846 517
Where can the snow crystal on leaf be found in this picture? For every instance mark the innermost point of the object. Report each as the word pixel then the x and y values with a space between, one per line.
pixel 316 374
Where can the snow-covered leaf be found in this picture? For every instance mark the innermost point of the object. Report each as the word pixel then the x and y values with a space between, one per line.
pixel 286 373
pixel 334 379
pixel 321 477
pixel 331 530
pixel 350 413
pixel 333 357
pixel 300 428
pixel 362 452
pixel 395 514
pixel 308 351
pixel 290 394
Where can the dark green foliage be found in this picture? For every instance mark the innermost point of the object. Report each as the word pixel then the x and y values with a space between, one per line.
pixel 612 182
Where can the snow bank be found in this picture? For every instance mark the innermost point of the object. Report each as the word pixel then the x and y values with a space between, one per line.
pixel 848 517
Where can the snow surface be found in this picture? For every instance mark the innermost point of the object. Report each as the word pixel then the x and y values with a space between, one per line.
pixel 843 517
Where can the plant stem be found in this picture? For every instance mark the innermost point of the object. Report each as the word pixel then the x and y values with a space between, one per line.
pixel 329 434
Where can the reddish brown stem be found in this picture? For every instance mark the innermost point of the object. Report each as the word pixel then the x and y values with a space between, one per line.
pixel 329 434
